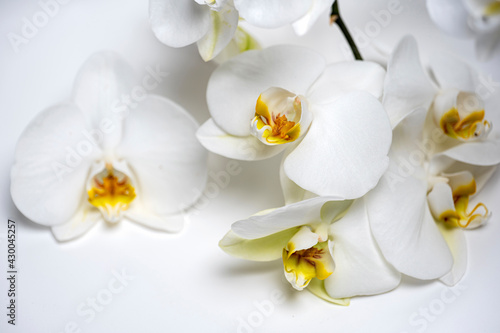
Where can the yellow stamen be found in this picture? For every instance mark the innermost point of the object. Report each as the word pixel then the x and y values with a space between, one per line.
pixel 281 130
pixel 459 217
pixel 315 262
pixel 111 193
pixel 465 128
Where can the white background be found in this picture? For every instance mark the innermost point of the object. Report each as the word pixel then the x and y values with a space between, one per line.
pixel 184 282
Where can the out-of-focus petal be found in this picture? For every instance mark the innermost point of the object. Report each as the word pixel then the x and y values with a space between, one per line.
pixel 161 149
pixel 222 28
pixel 272 13
pixel 178 23
pixel 51 165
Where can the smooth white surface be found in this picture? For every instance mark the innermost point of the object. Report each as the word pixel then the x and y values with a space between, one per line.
pixel 184 282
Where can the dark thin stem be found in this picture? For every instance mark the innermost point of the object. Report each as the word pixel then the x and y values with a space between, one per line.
pixel 335 18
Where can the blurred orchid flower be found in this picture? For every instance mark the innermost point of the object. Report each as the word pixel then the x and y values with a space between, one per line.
pixel 213 24
pixel 478 19
pixel 93 159
pixel 457 119
pixel 329 117
pixel 438 164
pixel 325 247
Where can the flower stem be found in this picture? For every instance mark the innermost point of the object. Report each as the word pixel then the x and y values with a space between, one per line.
pixel 336 18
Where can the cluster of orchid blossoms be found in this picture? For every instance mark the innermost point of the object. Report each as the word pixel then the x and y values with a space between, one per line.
pixel 356 220
pixel 380 168
pixel 214 24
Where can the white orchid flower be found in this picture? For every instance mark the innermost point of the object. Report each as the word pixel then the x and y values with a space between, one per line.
pixel 98 159
pixel 263 102
pixel 325 247
pixel 213 24
pixel 420 207
pixel 457 120
pixel 477 19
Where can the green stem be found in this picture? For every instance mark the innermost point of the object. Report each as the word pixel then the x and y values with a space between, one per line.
pixel 335 17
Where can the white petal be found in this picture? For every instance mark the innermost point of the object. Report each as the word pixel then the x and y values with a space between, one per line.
pixel 318 7
pixel 223 25
pixel 102 82
pixel 178 23
pixel 484 153
pixel 146 217
pixel 404 228
pixel 444 165
pixel 487 45
pixel 344 138
pixel 342 78
pixel 260 249
pixel 397 209
pixel 407 86
pixel 235 86
pixel 85 218
pixel 440 200
pixel 291 191
pixel 317 288
pixel 247 148
pixel 455 238
pixel 451 72
pixel 160 147
pixel 360 267
pixel 272 13
pixel 451 16
pixel 294 215
pixel 51 166
pixel 303 239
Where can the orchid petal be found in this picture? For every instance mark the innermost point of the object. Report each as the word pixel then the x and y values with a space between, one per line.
pixel 261 249
pixel 440 200
pixel 303 239
pixel 451 16
pixel 451 72
pixel 345 137
pixel 169 223
pixel 294 215
pixel 407 86
pixel 291 191
pixel 247 148
pixel 85 218
pixel 222 28
pixel 178 23
pixel 235 86
pixel 342 78
pixel 100 86
pixel 487 45
pixel 319 7
pixel 52 162
pixel 160 147
pixel 360 267
pixel 399 216
pixel 272 13
pixel 482 153
pixel 317 287
pixel 455 238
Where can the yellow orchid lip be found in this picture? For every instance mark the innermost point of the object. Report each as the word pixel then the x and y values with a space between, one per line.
pixel 460 217
pixel 111 192
pixel 278 117
pixel 492 8
pixel 470 126
pixel 304 265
